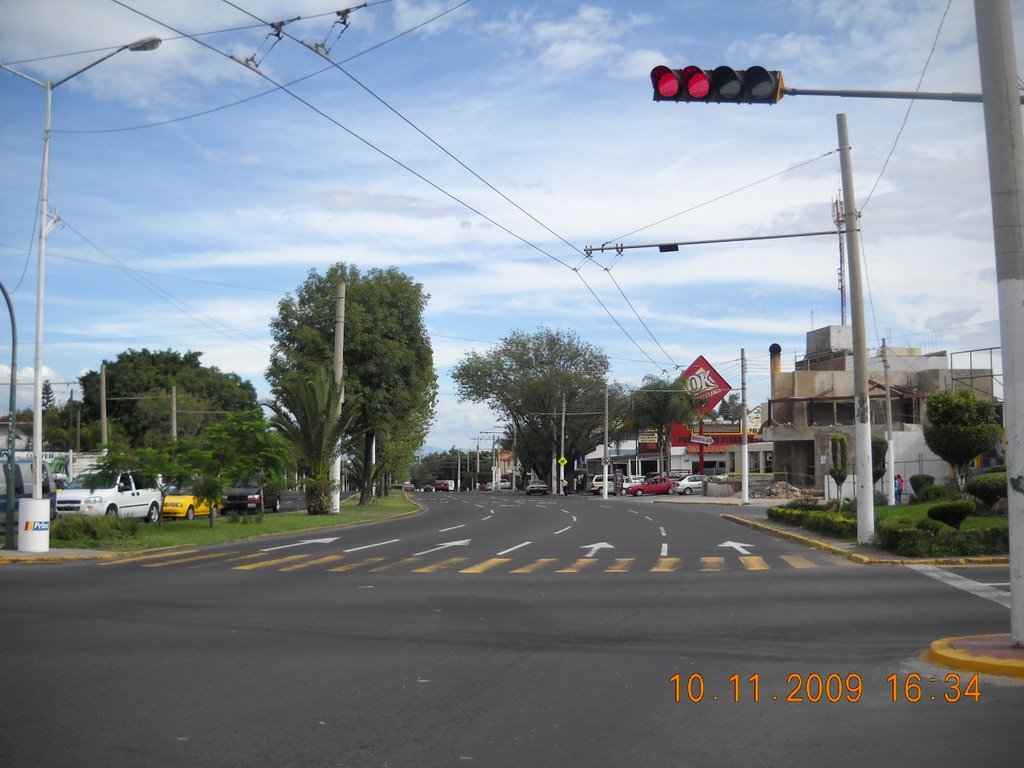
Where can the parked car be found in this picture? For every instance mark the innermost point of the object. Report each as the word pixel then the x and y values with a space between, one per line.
pixel 118 494
pixel 444 485
pixel 689 484
pixel 650 487
pixel 537 486
pixel 179 502
pixel 245 498
pixel 23 477
pixel 504 485
pixel 408 487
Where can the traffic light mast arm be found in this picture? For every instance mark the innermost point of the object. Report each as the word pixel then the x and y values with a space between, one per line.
pixel 668 247
pixel 914 95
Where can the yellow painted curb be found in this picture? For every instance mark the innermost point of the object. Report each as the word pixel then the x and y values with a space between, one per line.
pixel 942 653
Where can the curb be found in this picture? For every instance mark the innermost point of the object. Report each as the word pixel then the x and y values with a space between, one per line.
pixel 973 653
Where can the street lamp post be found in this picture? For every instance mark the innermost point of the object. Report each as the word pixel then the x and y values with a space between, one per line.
pixel 46 220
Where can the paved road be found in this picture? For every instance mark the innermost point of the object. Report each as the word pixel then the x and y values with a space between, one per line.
pixel 395 645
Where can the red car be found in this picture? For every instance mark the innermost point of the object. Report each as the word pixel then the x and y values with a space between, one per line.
pixel 651 487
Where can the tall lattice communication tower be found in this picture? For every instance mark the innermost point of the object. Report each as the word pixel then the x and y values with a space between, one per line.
pixel 837 214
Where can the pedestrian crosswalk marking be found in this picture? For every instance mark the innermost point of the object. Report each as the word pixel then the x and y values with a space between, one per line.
pixel 311 563
pixel 269 563
pixel 241 558
pixel 712 563
pixel 579 565
pixel 193 559
pixel 666 564
pixel 536 565
pixel 357 564
pixel 434 567
pixel 798 561
pixel 487 565
pixel 396 564
pixel 621 565
pixel 753 563
pixel 151 556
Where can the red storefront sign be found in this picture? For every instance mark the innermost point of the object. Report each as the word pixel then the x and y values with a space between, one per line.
pixel 705 383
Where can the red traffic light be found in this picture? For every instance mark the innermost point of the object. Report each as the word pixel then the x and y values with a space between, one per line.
pixel 756 85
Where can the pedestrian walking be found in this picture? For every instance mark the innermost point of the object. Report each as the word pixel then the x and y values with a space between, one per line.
pixel 899 488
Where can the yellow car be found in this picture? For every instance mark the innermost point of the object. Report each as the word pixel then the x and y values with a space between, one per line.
pixel 179 502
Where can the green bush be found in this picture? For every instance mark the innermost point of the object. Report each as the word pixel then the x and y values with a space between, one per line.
pixel 933 493
pixel 952 513
pixel 831 523
pixel 908 541
pixel 920 482
pixel 989 487
pixel 806 503
pixel 934 526
pixel 787 514
pixel 86 528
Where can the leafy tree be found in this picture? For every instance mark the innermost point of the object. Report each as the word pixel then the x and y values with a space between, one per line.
pixel 388 363
pixel 879 450
pixel 139 389
pixel 839 446
pixel 658 405
pixel 731 408
pixel 308 413
pixel 960 426
pixel 526 378
pixel 48 399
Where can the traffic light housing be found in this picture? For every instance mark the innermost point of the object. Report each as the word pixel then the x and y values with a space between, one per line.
pixel 755 85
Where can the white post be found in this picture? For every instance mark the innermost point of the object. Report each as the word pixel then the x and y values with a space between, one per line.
pixel 861 407
pixel 744 447
pixel 1005 136
pixel 339 370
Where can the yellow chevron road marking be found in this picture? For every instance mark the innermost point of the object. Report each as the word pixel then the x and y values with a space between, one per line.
pixel 621 565
pixel 180 560
pixel 269 563
pixel 753 563
pixel 357 564
pixel 579 565
pixel 311 563
pixel 435 567
pixel 798 561
pixel 487 565
pixel 242 558
pixel 713 564
pixel 396 564
pixel 666 564
pixel 154 556
pixel 535 566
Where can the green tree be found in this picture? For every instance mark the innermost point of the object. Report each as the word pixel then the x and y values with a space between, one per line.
pixel 308 413
pixel 879 450
pixel 960 426
pixel 839 445
pixel 388 362
pixel 139 395
pixel 526 379
pixel 48 398
pixel 658 404
pixel 731 408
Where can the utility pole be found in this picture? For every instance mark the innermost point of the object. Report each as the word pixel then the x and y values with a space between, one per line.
pixel 606 459
pixel 861 406
pixel 744 448
pixel 339 370
pixel 890 449
pixel 1004 135
pixel 103 405
pixel 174 412
pixel 561 452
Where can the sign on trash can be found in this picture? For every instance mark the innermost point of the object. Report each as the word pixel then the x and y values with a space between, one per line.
pixel 34 525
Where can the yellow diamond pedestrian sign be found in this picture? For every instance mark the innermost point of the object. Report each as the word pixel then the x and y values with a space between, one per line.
pixel 563 461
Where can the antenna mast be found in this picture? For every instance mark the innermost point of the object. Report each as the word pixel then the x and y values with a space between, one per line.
pixel 837 215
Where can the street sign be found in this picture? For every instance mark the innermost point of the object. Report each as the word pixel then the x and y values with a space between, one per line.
pixel 702 439
pixel 563 461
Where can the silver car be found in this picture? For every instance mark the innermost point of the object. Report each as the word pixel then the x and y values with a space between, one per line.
pixel 689 484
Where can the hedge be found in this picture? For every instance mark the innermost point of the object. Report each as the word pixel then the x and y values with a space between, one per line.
pixel 989 487
pixel 901 539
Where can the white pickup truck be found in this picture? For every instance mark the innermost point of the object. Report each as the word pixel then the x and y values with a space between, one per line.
pixel 597 483
pixel 122 494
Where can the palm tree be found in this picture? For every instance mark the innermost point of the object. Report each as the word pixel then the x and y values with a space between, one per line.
pixel 659 404
pixel 308 411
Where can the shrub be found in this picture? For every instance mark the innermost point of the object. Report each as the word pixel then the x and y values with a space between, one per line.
pixel 933 493
pixel 806 503
pixel 934 526
pixel 920 482
pixel 952 513
pixel 86 528
pixel 989 487
pixel 909 541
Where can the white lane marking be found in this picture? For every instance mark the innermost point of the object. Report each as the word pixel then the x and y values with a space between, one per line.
pixel 664 549
pixel 488 517
pixel 649 518
pixel 568 527
pixel 663 534
pixel 967 585
pixel 369 546
pixel 439 547
pixel 445 530
pixel 513 549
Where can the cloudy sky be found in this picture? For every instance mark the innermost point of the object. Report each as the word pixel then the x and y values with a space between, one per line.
pixel 483 148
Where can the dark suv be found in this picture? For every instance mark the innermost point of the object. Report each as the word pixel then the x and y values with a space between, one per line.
pixel 245 498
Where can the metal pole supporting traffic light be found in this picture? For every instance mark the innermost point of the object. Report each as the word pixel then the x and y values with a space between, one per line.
pixel 722 85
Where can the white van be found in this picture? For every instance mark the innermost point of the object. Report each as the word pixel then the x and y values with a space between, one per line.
pixel 121 494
